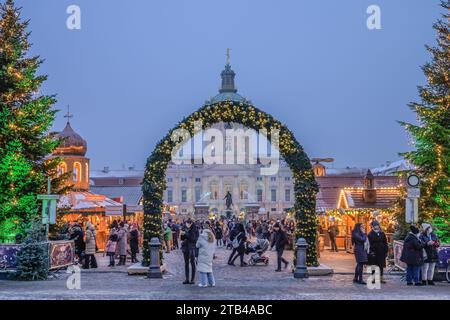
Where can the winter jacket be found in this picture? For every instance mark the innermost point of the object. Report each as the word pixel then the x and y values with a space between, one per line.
pixel 378 248
pixel 90 241
pixel 412 250
pixel 122 242
pixel 168 234
pixel 189 238
pixel 430 250
pixel 111 247
pixel 77 236
pixel 206 247
pixel 134 241
pixel 219 232
pixel 279 240
pixel 358 240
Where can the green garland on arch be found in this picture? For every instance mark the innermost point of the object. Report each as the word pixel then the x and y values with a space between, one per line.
pixel 305 186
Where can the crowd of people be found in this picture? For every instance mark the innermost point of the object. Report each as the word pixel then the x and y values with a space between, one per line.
pixel 199 239
pixel 123 240
pixel 419 253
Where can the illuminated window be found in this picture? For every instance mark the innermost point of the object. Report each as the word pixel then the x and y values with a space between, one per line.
pixel 87 172
pixel 76 172
pixel 62 168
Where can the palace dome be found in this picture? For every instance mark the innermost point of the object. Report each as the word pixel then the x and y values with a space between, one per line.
pixel 71 143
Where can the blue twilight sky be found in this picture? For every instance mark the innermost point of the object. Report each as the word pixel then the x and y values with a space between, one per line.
pixel 137 67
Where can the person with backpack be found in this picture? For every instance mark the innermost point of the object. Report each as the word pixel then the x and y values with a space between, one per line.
pixel 412 255
pixel 431 245
pixel 238 243
pixel 279 240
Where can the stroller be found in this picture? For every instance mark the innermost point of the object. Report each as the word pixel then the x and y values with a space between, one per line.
pixel 258 248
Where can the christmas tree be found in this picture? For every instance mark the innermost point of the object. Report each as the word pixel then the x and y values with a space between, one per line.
pixel 32 258
pixel 431 136
pixel 25 119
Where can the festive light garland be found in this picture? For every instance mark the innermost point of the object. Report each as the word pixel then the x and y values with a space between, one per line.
pixel 305 186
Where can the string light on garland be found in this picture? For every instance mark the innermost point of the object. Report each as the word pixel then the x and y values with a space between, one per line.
pixel 246 114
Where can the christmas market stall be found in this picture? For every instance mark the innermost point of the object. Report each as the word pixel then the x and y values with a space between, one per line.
pixel 81 207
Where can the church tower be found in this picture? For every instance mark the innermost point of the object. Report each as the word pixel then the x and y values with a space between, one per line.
pixel 72 151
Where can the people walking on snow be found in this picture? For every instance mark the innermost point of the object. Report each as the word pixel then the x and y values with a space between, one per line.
pixel 206 248
pixel 431 245
pixel 89 257
pixel 219 234
pixel 279 240
pixel 189 236
pixel 378 248
pixel 361 247
pixel 412 255
pixel 167 237
pixel 238 241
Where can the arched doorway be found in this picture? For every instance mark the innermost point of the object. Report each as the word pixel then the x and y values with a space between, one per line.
pixel 242 112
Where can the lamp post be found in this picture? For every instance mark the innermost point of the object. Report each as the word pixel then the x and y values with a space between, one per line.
pixel 301 272
pixel 154 270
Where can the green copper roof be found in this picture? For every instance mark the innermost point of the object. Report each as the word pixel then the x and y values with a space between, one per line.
pixel 227 91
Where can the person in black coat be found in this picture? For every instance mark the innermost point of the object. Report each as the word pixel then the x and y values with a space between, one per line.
pixel 189 236
pixel 360 246
pixel 77 235
pixel 240 238
pixel 219 234
pixel 134 242
pixel 431 245
pixel 378 248
pixel 279 240
pixel 412 255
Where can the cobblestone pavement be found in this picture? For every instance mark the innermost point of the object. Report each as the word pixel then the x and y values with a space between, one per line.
pixel 259 282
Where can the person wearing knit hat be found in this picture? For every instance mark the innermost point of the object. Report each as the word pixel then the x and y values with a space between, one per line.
pixel 431 245
pixel 412 255
pixel 378 248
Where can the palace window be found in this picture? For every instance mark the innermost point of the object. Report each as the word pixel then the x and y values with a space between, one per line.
pixel 259 178
pixel 259 195
pixel 198 194
pixel 287 178
pixel 76 172
pixel 287 195
pixel 169 195
pixel 183 179
pixel 273 195
pixel 273 179
pixel 198 180
pixel 184 195
pixel 169 179
pixel 214 191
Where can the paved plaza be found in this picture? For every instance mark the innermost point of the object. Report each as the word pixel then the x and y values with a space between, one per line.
pixel 260 282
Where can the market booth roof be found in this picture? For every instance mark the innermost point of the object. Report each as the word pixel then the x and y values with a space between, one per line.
pixel 86 202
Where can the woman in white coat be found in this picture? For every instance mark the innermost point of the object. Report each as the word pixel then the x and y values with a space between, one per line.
pixel 206 246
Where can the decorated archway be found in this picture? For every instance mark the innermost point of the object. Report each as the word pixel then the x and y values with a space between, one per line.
pixel 305 186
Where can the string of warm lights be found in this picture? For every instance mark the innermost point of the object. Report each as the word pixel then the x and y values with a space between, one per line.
pixel 305 186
